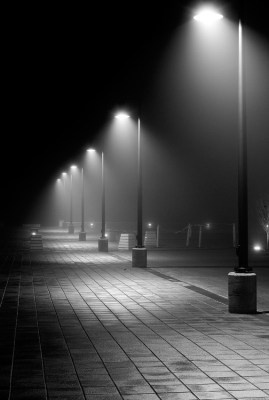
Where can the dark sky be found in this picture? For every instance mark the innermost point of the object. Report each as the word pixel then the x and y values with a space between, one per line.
pixel 68 65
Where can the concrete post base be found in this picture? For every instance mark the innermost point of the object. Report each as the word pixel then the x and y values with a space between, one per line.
pixel 242 293
pixel 139 257
pixel 82 236
pixel 103 245
pixel 71 229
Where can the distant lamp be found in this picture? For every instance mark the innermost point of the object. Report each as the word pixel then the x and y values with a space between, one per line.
pixel 122 116
pixel 208 16
pixel 257 247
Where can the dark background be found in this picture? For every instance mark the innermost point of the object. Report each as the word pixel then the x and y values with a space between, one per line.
pixel 66 66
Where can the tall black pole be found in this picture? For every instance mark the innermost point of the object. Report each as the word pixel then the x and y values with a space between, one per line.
pixel 103 229
pixel 71 227
pixel 242 162
pixel 82 200
pixel 71 198
pixel 65 198
pixel 139 253
pixel 82 233
pixel 139 190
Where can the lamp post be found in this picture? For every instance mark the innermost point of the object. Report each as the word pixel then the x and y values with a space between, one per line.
pixel 82 233
pixel 139 253
pixel 71 228
pixel 242 282
pixel 242 248
pixel 65 197
pixel 103 240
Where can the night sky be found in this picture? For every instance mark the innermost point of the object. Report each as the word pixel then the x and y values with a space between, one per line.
pixel 67 66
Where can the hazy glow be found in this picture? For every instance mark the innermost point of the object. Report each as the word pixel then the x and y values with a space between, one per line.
pixel 122 116
pixel 91 150
pixel 64 173
pixel 73 166
pixel 207 16
pixel 257 247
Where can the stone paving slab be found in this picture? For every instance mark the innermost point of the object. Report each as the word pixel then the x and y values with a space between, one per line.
pixel 86 325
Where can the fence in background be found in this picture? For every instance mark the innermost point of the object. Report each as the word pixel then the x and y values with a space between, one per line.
pixel 165 235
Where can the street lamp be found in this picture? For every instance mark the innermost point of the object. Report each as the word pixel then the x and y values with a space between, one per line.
pixel 82 233
pixel 208 16
pixel 71 228
pixel 241 282
pixel 139 253
pixel 64 196
pixel 103 240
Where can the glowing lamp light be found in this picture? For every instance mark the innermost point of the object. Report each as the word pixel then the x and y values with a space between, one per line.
pixel 33 233
pixel 73 166
pixel 208 16
pixel 257 247
pixel 91 150
pixel 63 173
pixel 122 116
pixel 149 224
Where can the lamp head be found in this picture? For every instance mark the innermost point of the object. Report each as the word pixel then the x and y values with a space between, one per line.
pixel 207 16
pixel 122 116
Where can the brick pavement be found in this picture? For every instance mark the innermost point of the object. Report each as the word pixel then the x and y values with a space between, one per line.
pixel 78 324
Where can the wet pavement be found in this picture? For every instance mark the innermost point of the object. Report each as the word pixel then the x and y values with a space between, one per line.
pixel 79 324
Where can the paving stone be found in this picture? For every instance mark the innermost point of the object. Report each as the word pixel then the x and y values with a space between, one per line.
pixel 86 325
pixel 177 396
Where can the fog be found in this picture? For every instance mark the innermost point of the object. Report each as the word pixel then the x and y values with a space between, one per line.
pixel 189 140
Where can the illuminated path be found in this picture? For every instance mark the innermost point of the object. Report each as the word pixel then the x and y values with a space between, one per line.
pixel 78 324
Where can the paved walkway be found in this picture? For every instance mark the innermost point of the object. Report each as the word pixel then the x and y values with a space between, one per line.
pixel 78 324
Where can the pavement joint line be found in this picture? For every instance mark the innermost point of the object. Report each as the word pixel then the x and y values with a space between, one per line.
pixel 204 292
pixel 115 339
pixel 137 336
pixel 194 288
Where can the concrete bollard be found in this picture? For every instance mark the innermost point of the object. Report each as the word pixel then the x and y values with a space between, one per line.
pixel 139 257
pixel 71 229
pixel 242 293
pixel 82 236
pixel 103 245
